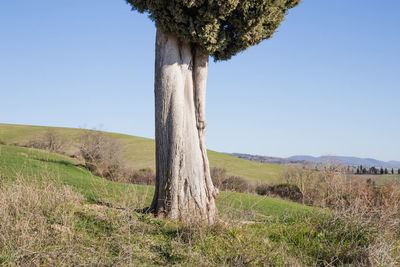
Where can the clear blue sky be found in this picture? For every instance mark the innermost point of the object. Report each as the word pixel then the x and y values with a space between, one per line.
pixel 327 83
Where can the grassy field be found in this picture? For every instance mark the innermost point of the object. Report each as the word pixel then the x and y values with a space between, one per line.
pixel 139 152
pixel 56 213
pixel 27 162
pixel 380 179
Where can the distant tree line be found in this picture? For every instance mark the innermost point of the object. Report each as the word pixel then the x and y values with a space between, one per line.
pixel 374 170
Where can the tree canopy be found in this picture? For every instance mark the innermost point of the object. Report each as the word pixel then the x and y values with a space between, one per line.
pixel 220 28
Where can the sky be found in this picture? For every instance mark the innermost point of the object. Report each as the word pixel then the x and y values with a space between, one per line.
pixel 327 83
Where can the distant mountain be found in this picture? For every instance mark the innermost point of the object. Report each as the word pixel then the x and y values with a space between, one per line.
pixel 265 159
pixel 352 161
pixel 395 163
pixel 304 159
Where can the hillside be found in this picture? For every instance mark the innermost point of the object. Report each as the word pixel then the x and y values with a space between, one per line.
pixel 266 159
pixel 35 163
pixel 139 152
pixel 56 213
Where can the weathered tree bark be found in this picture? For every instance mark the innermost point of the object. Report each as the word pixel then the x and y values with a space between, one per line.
pixel 184 189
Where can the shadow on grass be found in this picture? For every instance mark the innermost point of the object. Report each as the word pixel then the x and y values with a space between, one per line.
pixel 60 161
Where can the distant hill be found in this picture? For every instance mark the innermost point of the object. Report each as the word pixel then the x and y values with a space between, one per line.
pixel 304 159
pixel 272 160
pixel 352 161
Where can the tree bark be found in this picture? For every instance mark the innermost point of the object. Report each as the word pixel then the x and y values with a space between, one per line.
pixel 184 189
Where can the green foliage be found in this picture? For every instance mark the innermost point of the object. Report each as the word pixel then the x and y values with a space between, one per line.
pixel 218 28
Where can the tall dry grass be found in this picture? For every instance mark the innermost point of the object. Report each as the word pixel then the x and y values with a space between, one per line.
pixel 26 208
pixel 332 188
pixel 375 208
pixel 46 223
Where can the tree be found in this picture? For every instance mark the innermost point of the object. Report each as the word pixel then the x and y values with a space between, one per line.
pixel 386 171
pixel 188 32
pixel 392 171
pixel 398 171
pixel 373 170
pixel 381 172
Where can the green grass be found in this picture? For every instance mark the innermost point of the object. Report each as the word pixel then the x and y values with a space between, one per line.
pixel 36 163
pixel 43 223
pixel 382 179
pixel 139 152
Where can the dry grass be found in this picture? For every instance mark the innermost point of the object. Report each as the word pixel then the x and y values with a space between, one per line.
pixel 26 208
pixel 333 189
pixel 375 208
pixel 45 223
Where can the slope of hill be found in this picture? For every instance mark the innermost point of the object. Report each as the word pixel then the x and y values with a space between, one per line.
pixel 16 161
pixel 139 152
pixel 53 213
pixel 266 159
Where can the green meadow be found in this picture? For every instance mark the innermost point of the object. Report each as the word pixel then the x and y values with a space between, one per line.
pixel 140 153
pixel 35 163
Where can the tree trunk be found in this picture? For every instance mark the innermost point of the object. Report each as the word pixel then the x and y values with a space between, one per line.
pixel 184 189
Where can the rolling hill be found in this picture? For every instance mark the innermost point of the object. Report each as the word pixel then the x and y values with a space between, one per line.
pixel 55 213
pixel 139 151
pixel 15 161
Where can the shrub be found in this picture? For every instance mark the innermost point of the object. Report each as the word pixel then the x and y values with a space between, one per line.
pixel 218 175
pixel 287 191
pixel 102 155
pixel 236 183
pixel 142 176
pixel 2 142
pixel 50 141
pixel 230 183
pixel 262 189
